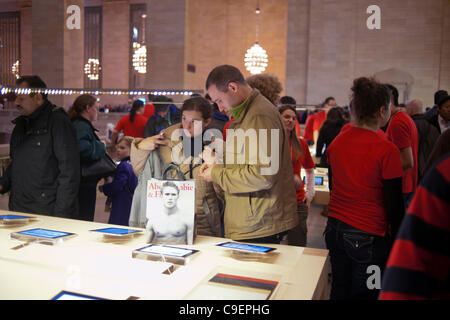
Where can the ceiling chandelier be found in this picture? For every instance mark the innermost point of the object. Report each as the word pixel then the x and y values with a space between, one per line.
pixel 140 57
pixel 140 52
pixel 92 69
pixel 256 58
pixel 15 69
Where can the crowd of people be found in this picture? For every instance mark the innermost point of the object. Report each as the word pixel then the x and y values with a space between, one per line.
pixel 388 168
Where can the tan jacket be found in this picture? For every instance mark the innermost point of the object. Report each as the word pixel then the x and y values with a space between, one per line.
pixel 256 204
pixel 207 215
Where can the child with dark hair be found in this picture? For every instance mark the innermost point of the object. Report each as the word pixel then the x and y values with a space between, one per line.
pixel 121 189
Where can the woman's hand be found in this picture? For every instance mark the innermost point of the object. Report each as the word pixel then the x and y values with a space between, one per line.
pixel 205 172
pixel 151 143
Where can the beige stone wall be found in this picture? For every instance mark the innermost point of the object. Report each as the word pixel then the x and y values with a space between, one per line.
pixel 444 82
pixel 297 49
pixel 315 47
pixel 26 40
pixel 220 32
pixel 116 44
pixel 340 47
pixel 165 35
pixel 73 52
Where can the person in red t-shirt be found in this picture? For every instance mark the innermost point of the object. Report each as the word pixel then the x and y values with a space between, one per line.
pixel 402 131
pixel 309 129
pixel 132 125
pixel 300 158
pixel 149 108
pixel 366 205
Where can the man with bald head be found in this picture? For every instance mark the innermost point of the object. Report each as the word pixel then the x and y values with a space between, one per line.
pixel 428 134
pixel 414 107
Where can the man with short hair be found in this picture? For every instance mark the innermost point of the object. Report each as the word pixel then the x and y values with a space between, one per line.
pixel 428 134
pixel 432 113
pixel 44 173
pixel 260 201
pixel 441 120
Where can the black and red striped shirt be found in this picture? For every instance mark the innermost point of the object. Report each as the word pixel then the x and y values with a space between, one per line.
pixel 419 263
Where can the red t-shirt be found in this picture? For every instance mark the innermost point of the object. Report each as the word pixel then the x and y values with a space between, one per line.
pixel 306 162
pixel 360 160
pixel 135 129
pixel 402 131
pixel 309 126
pixel 351 125
pixel 149 111
pixel 320 118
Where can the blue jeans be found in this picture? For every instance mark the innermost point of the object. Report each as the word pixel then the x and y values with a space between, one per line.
pixel 352 251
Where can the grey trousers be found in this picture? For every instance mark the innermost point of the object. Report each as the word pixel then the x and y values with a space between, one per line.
pixel 298 235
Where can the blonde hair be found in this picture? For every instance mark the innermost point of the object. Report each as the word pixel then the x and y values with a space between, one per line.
pixel 127 140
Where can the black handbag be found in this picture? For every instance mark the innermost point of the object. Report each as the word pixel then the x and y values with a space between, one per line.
pixel 102 168
pixel 173 167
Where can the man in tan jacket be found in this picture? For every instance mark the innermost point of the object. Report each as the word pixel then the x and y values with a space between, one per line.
pixel 260 200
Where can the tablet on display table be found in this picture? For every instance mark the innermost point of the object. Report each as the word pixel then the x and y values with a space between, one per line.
pixel 41 234
pixel 246 247
pixel 14 218
pixel 117 232
pixel 165 253
pixel 318 181
pixel 67 295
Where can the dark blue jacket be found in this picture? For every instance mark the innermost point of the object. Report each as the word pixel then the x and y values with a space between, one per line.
pixel 121 192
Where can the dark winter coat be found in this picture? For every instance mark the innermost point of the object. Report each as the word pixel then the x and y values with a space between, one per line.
pixel 44 173
pixel 90 147
pixel 428 135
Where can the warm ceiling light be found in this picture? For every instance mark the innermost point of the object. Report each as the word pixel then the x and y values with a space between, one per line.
pixel 140 57
pixel 256 59
pixel 15 69
pixel 92 69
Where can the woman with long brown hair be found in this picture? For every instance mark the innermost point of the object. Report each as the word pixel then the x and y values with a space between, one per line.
pixel 301 158
pixel 83 112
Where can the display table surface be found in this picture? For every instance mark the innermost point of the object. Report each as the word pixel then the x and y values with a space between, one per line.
pixel 92 265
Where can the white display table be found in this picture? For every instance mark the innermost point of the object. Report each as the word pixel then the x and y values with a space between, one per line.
pixel 91 265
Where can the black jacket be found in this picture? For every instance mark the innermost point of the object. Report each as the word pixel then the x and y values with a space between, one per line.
pixel 428 135
pixel 327 133
pixel 432 116
pixel 44 173
pixel 155 125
